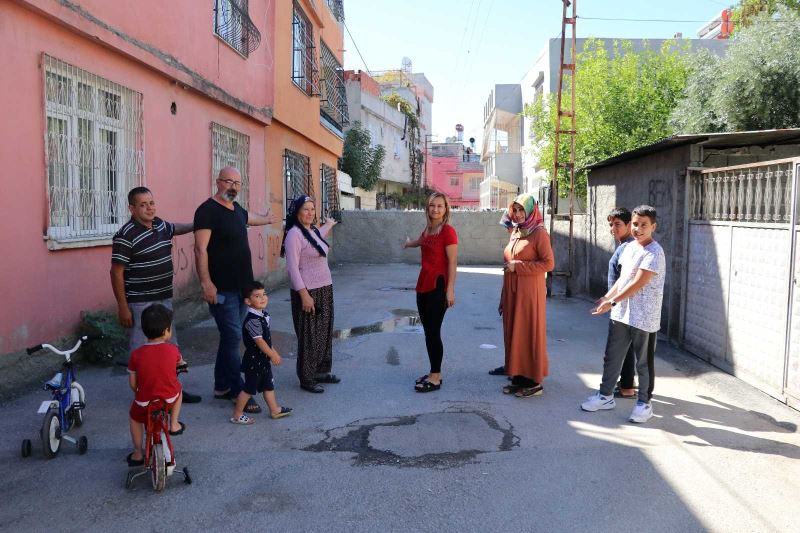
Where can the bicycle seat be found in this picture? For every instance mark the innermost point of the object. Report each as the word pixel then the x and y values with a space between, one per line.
pixel 54 383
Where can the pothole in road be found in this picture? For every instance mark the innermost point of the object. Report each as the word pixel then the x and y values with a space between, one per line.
pixel 442 440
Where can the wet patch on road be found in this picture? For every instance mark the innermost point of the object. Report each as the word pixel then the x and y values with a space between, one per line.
pixel 442 440
pixel 404 321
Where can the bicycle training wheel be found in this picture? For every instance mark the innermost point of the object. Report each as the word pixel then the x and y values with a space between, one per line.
pixel 51 433
pixel 158 467
pixel 77 394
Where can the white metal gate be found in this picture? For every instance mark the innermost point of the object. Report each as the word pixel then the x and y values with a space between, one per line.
pixel 741 311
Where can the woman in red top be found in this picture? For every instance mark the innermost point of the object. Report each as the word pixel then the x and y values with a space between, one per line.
pixel 436 283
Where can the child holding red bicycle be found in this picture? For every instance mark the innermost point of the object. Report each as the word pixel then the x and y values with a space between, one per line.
pixel 152 375
pixel 257 357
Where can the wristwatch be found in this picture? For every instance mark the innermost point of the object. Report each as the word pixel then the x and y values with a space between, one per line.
pixel 612 302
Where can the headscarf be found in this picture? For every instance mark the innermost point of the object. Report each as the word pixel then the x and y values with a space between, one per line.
pixel 292 221
pixel 534 215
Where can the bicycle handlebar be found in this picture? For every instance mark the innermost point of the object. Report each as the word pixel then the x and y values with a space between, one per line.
pixel 83 339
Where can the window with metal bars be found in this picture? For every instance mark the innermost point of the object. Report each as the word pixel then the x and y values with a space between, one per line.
pixel 94 150
pixel 305 72
pixel 333 99
pixel 229 148
pixel 329 193
pixel 297 172
pixel 337 8
pixel 232 23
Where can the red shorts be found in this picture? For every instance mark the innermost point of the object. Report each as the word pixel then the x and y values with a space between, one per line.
pixel 138 413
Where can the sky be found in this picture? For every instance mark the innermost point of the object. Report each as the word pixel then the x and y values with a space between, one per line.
pixel 464 47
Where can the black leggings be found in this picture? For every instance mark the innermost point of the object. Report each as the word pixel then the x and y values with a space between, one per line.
pixel 432 306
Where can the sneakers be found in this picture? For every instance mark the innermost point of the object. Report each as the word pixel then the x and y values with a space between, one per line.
pixel 642 412
pixel 597 401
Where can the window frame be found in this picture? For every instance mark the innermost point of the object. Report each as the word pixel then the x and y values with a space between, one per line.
pixel 239 159
pixel 83 205
pixel 305 72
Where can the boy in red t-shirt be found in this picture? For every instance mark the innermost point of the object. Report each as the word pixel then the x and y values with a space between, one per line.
pixel 153 375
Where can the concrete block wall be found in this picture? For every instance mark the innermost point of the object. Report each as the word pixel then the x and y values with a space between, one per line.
pixel 376 237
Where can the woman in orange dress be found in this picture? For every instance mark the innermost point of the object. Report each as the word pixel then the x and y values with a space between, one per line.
pixel 528 256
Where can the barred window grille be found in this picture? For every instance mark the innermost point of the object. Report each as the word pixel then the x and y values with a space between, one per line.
pixel 229 148
pixel 94 150
pixel 232 23
pixel 329 193
pixel 337 8
pixel 755 192
pixel 305 72
pixel 333 99
pixel 297 171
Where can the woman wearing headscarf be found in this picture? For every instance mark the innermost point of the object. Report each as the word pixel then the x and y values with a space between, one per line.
pixel 527 257
pixel 306 252
pixel 436 284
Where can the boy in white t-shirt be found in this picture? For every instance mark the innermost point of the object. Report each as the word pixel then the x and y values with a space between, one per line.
pixel 635 305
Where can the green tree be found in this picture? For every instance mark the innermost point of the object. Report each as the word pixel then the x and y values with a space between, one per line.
pixel 754 87
pixel 360 159
pixel 623 101
pixel 749 10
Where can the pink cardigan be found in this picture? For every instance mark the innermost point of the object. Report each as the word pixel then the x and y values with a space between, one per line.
pixel 307 269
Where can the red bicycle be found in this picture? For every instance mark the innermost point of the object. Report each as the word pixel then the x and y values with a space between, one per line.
pixel 159 456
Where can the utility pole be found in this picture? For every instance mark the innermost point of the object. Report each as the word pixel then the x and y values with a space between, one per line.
pixel 569 18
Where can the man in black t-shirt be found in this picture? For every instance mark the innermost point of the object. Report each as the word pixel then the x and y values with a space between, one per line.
pixel 224 266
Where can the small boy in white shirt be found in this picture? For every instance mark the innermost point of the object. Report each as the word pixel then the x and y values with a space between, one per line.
pixel 635 305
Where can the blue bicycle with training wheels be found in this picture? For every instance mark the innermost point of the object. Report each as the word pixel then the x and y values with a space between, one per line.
pixel 65 408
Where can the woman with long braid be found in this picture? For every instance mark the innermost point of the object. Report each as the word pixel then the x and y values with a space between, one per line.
pixel 306 252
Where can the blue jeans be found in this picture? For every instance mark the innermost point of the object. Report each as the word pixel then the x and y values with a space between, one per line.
pixel 229 314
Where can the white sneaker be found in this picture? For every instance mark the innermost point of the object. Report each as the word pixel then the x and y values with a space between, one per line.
pixel 597 401
pixel 642 412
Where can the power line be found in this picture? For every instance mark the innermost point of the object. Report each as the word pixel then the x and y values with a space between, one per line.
pixel 356 46
pixel 640 20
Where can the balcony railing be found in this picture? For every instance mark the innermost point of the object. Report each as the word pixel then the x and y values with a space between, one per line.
pixel 758 192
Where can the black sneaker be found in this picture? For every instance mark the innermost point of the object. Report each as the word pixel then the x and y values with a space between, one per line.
pixel 499 371
pixel 191 398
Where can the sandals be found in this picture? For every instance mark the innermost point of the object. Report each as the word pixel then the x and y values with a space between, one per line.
pixel 530 392
pixel 327 378
pixel 511 389
pixel 252 407
pixel 285 411
pixel 427 386
pixel 312 387
pixel 180 431
pixel 134 462
pixel 243 420
pixel 499 371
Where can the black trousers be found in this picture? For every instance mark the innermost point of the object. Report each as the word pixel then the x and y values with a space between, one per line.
pixel 432 307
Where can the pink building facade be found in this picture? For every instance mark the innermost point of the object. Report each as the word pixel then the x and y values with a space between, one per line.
pixel 99 97
pixel 456 173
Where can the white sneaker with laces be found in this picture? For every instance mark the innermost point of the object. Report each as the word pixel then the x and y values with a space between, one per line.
pixel 597 401
pixel 642 412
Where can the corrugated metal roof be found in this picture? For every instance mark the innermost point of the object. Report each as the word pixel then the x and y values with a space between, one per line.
pixel 720 141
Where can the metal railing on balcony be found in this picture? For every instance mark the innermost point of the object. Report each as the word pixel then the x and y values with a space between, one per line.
pixel 232 23
pixel 757 192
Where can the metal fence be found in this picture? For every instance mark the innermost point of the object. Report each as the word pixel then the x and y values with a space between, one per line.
pixel 229 148
pixel 757 192
pixel 297 171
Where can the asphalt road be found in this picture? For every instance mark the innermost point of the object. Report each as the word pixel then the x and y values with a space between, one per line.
pixel 371 455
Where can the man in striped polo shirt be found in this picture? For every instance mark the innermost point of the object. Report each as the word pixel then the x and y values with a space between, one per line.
pixel 141 266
